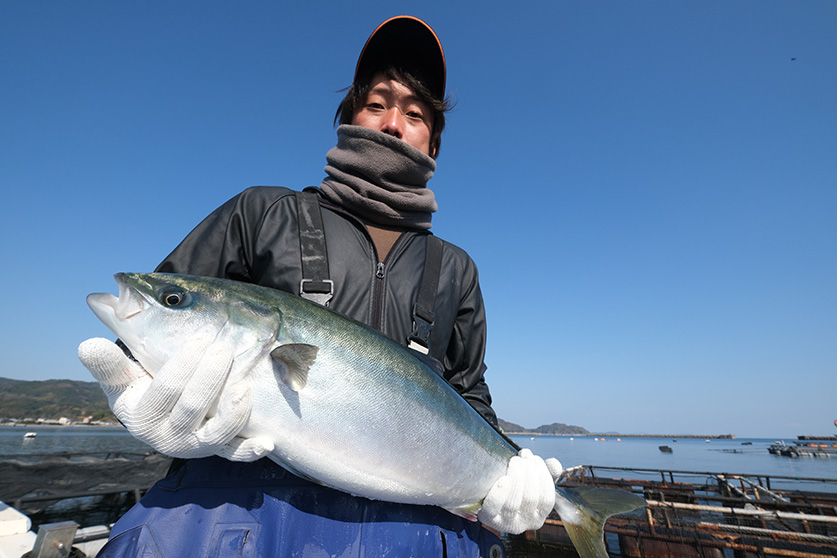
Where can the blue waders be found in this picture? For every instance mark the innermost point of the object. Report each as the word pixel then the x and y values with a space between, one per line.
pixel 217 508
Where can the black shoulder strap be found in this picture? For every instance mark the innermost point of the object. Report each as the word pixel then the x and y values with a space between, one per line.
pixel 424 313
pixel 316 285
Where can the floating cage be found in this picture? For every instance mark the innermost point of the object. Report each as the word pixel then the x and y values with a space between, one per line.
pixel 702 515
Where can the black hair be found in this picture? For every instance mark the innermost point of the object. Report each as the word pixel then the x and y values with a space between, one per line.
pixel 356 94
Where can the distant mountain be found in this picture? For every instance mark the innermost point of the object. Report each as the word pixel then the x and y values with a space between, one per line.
pixel 559 428
pixel 555 429
pixel 53 399
pixel 507 426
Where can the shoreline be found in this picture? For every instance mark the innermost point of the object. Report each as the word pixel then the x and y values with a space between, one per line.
pixel 617 435
pixel 115 426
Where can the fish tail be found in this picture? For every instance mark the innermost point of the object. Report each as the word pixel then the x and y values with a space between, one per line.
pixel 584 510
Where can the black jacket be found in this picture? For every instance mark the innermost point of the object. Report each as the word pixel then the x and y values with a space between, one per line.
pixel 254 237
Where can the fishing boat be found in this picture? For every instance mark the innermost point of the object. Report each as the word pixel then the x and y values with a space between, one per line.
pixel 804 448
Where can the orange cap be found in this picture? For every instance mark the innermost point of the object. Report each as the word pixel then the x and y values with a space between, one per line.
pixel 406 43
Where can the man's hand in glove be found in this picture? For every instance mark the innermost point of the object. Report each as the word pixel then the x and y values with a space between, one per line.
pixel 170 411
pixel 521 499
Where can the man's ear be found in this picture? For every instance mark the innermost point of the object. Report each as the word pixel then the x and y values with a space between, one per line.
pixel 434 149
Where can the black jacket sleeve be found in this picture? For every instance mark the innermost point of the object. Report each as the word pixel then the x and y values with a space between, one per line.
pixel 465 355
pixel 223 244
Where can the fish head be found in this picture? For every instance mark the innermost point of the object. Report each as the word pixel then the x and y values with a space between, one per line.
pixel 155 313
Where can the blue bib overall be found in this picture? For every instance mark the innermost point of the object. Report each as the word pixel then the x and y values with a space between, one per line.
pixel 217 508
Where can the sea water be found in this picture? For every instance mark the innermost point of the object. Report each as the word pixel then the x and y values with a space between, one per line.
pixel 741 456
pixel 25 459
pixel 51 440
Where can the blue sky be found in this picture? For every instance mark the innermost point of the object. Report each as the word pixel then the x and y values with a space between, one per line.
pixel 648 188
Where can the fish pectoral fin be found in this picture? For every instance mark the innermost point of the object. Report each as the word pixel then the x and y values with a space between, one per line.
pixel 293 362
pixel 467 512
pixel 584 510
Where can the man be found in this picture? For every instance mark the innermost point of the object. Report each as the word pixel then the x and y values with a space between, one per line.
pixel 360 244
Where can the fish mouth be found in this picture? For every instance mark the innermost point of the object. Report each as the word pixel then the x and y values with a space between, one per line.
pixel 114 311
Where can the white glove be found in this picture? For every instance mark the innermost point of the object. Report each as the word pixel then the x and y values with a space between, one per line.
pixel 522 499
pixel 170 411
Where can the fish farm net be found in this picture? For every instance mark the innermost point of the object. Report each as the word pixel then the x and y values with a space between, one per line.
pixel 702 515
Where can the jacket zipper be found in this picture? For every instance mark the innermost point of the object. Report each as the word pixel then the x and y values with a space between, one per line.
pixel 376 320
pixel 379 285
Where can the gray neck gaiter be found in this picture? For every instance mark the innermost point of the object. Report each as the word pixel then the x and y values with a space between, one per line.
pixel 380 178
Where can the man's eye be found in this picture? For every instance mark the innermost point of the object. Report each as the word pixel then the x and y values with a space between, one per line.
pixel 375 106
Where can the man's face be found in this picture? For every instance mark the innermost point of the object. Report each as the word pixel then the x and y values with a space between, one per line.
pixel 392 108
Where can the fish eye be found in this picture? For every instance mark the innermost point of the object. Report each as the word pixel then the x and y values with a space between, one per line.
pixel 174 298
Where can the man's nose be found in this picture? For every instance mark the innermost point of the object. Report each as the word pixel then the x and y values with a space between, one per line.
pixel 394 123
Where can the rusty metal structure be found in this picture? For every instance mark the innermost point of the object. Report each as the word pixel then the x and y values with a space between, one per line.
pixel 690 514
pixel 704 515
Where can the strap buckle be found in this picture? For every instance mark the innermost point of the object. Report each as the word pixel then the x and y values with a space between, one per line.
pixel 319 291
pixel 419 339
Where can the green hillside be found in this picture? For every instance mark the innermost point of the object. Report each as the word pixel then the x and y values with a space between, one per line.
pixel 555 429
pixel 53 399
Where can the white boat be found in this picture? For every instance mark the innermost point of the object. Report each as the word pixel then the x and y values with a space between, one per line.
pixel 30 434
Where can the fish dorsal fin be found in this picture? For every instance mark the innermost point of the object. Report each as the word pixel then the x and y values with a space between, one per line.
pixel 294 360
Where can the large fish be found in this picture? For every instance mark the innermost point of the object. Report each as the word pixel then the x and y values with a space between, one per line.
pixel 344 405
